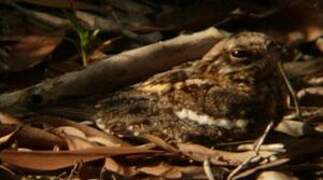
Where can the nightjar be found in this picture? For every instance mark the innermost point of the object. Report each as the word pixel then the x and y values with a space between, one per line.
pixel 231 93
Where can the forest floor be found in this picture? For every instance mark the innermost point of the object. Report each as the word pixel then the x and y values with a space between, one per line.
pixel 53 49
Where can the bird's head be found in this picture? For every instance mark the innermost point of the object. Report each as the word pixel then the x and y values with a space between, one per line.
pixel 243 57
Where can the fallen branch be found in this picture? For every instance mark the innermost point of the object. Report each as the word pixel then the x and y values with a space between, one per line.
pixel 122 69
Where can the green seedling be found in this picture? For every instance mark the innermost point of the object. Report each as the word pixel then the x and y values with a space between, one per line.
pixel 85 36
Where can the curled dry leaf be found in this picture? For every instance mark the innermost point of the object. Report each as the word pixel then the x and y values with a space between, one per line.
pixel 89 131
pixel 29 136
pixel 75 138
pixel 34 137
pixel 50 160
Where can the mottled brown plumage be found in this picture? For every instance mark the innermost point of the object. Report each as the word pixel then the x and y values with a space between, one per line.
pixel 231 93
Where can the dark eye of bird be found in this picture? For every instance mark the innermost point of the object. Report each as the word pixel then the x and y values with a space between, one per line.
pixel 241 54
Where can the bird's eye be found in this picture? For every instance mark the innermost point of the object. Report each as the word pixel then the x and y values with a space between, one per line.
pixel 241 54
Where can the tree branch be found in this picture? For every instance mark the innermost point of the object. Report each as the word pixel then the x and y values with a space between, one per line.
pixel 117 71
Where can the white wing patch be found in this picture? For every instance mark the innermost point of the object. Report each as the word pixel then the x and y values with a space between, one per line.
pixel 204 119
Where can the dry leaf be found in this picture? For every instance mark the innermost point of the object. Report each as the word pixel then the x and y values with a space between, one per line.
pixel 115 167
pixel 33 137
pixel 319 44
pixel 311 96
pixel 292 128
pixel 269 175
pixel 31 50
pixel 77 143
pixel 218 157
pixel 8 119
pixel 262 167
pixel 68 130
pixel 162 170
pixel 50 160
pixel 103 141
pixel 160 142
pixel 89 131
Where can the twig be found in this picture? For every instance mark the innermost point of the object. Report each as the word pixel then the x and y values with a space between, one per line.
pixel 290 89
pixel 74 169
pixel 254 158
pixel 207 169
pixel 263 136
pixel 243 166
pixel 102 171
pixel 262 167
